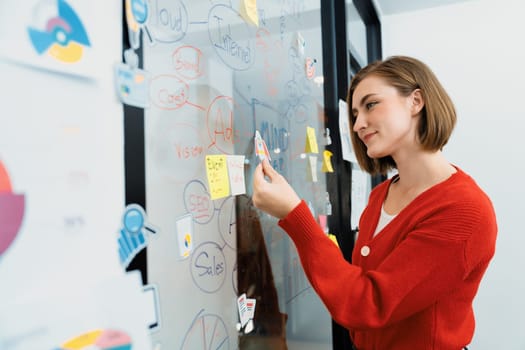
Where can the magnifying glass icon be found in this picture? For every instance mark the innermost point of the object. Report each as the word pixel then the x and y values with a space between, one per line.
pixel 134 220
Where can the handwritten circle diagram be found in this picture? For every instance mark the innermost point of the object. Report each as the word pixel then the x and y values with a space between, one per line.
pixel 227 222
pixel 168 92
pixel 231 37
pixel 168 21
pixel 208 267
pixel 198 203
pixel 222 121
pixel 188 62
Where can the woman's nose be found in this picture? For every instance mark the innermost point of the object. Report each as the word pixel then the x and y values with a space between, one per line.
pixel 359 123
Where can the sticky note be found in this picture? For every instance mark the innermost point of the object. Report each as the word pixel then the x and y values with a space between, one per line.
pixel 217 174
pixel 333 238
pixel 248 10
pixel 236 174
pixel 312 168
pixel 327 162
pixel 311 141
pixel 151 298
pixel 344 132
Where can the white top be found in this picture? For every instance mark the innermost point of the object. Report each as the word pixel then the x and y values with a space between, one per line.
pixel 384 219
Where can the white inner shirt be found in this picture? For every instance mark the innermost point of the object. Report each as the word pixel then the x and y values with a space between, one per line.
pixel 384 219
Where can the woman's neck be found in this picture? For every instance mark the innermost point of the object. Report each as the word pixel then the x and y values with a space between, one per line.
pixel 423 170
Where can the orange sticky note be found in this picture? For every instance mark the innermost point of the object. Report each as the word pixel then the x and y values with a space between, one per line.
pixel 327 162
pixel 311 141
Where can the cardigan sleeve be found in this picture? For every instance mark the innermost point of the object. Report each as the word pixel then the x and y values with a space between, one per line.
pixel 430 262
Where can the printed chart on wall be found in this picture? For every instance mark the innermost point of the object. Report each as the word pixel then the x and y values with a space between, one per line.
pixel 51 34
pixel 218 72
pixel 62 180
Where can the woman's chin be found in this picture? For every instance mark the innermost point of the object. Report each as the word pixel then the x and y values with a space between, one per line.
pixel 374 154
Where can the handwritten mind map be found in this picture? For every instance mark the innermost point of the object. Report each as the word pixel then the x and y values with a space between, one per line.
pixel 216 77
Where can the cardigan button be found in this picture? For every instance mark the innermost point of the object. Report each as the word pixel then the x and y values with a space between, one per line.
pixel 365 250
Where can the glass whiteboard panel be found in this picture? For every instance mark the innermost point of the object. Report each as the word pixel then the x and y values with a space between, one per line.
pixel 216 77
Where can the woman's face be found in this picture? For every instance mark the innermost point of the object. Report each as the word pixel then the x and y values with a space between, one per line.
pixel 384 120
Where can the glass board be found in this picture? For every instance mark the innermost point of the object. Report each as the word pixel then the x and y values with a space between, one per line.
pixel 219 71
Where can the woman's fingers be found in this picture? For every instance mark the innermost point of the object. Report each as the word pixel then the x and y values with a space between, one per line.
pixel 271 192
pixel 269 170
pixel 258 175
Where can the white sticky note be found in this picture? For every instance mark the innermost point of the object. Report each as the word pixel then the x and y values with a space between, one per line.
pixel 236 174
pixel 151 294
pixel 312 168
pixel 184 227
pixel 359 195
pixel 344 132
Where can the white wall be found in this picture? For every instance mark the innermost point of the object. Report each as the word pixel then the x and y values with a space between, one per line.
pixel 477 49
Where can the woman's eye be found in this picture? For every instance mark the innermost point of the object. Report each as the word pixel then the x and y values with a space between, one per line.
pixel 370 104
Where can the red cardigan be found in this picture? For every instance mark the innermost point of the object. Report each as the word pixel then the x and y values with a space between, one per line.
pixel 412 285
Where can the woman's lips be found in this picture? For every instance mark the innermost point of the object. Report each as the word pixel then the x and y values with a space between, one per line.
pixel 368 136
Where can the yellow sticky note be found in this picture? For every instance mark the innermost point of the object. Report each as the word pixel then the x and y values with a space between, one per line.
pixel 217 173
pixel 333 238
pixel 249 11
pixel 327 162
pixel 311 141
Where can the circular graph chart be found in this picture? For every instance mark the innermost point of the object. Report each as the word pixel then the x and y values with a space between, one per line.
pixel 207 332
pixel 99 339
pixel 58 31
pixel 11 211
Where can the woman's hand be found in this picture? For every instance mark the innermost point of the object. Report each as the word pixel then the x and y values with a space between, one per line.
pixel 275 197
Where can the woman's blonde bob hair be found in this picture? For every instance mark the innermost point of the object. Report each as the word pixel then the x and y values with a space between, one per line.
pixel 438 116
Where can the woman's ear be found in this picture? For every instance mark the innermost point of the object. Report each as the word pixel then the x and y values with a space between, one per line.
pixel 417 101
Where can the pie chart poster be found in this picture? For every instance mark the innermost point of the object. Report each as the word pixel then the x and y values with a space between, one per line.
pixel 64 36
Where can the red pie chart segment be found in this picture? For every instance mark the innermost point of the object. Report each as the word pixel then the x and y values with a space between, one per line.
pixel 5 184
pixel 11 211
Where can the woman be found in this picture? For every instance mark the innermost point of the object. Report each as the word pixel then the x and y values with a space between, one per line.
pixel 427 234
